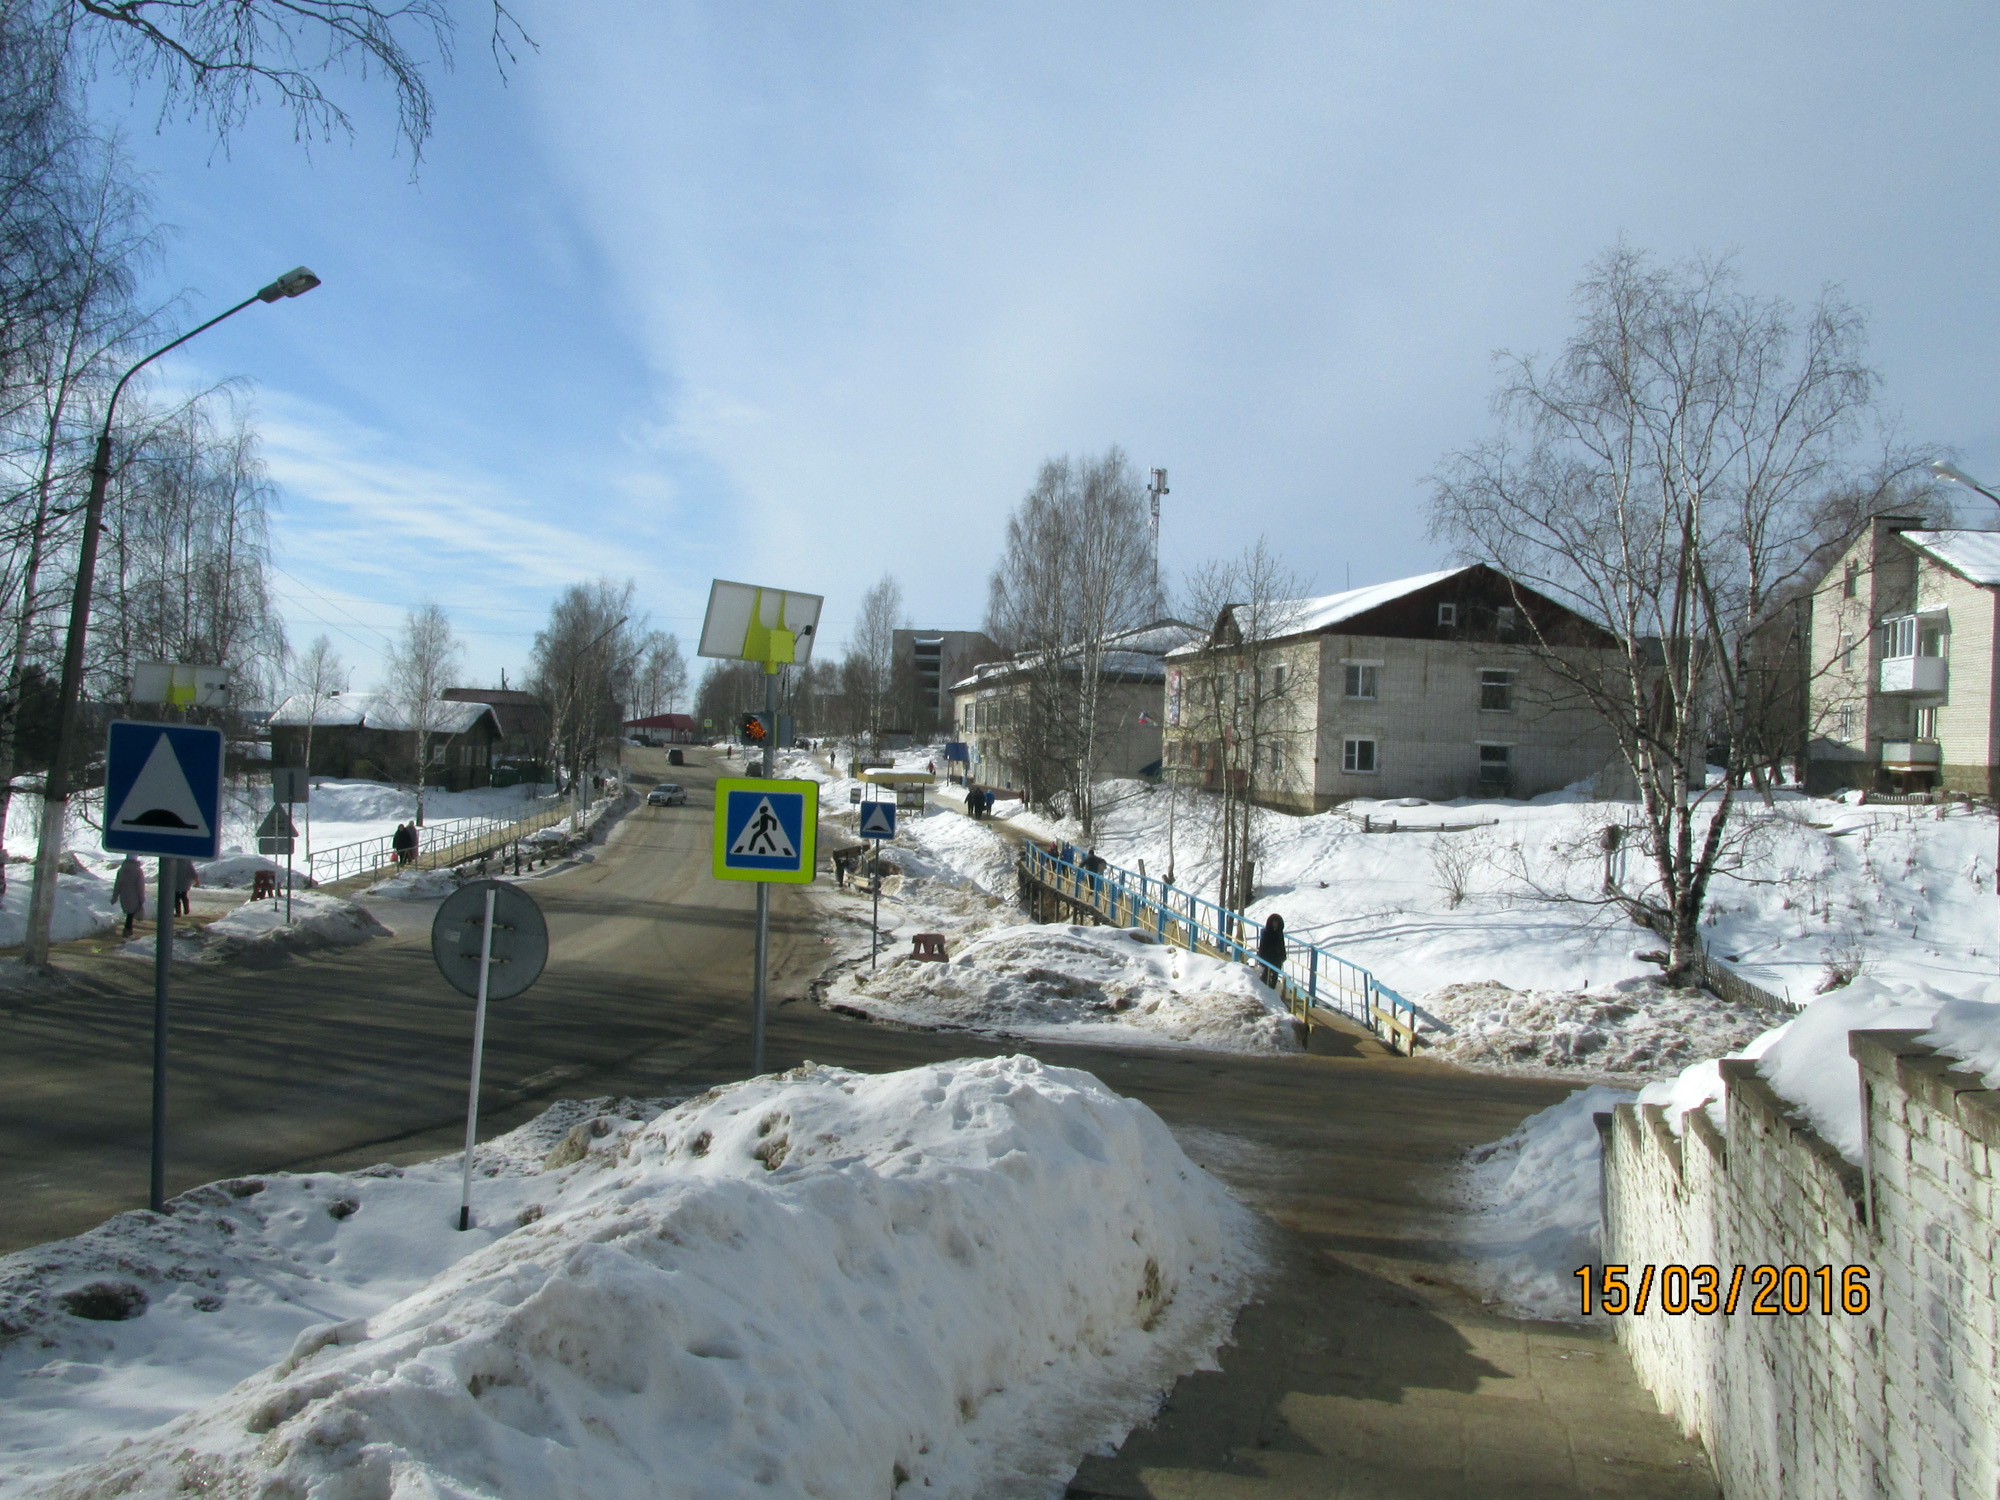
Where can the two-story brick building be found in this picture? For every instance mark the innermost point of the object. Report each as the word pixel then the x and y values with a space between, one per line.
pixel 1428 687
pixel 1905 642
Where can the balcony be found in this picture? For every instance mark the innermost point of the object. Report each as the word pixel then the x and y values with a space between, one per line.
pixel 1913 674
pixel 1912 755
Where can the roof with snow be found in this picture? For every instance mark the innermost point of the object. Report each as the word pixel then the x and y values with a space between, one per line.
pixel 1308 616
pixel 1130 654
pixel 378 711
pixel 1972 554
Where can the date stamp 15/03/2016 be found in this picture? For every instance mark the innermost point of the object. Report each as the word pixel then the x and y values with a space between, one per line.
pixel 1705 1291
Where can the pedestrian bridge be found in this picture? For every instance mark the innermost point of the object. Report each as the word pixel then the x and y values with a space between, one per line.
pixel 1319 988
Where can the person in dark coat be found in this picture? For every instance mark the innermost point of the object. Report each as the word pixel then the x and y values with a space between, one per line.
pixel 129 886
pixel 1271 948
pixel 185 880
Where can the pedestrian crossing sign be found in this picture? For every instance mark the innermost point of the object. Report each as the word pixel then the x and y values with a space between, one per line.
pixel 163 789
pixel 765 830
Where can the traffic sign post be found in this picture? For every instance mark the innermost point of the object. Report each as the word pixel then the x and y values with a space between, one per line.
pixel 490 942
pixel 878 822
pixel 162 795
pixel 775 627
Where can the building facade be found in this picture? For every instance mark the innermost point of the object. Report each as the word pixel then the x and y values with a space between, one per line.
pixel 1425 687
pixel 1905 643
pixel 924 665
pixel 992 709
pixel 367 737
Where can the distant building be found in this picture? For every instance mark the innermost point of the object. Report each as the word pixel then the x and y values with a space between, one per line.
pixel 367 737
pixel 924 664
pixel 521 752
pixel 1905 651
pixel 663 729
pixel 1422 687
pixel 991 705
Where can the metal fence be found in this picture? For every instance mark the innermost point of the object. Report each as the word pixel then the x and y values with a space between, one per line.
pixel 438 844
pixel 1311 978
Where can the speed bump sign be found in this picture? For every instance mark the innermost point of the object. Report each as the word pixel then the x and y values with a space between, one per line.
pixel 765 830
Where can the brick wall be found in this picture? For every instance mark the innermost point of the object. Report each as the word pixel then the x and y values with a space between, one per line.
pixel 1902 1401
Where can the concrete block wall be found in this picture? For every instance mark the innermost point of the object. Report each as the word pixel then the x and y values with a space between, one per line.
pixel 1900 1402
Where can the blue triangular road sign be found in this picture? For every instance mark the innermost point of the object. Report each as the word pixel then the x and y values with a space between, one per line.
pixel 878 820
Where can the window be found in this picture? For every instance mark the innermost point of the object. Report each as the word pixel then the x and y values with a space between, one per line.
pixel 1357 756
pixel 1899 637
pixel 1447 615
pixel 1927 723
pixel 1496 692
pixel 1360 680
pixel 1850 581
pixel 1278 678
pixel 1846 651
pixel 1930 641
pixel 1844 722
pixel 1495 761
pixel 1506 619
pixel 1276 758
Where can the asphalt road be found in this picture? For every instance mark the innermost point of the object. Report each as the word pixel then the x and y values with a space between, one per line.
pixel 1363 1368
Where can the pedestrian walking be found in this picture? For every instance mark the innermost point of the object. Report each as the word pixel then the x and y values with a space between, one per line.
pixel 1271 949
pixel 185 880
pixel 129 887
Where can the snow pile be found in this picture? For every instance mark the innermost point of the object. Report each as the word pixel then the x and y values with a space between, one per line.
pixel 959 1277
pixel 1636 1029
pixel 1079 984
pixel 258 932
pixel 417 885
pixel 84 908
pixel 238 872
pixel 1969 1031
pixel 1534 1204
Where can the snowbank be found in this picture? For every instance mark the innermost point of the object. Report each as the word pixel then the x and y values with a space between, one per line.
pixel 960 1277
pixel 1635 1030
pixel 1095 985
pixel 84 907
pixel 258 932
pixel 238 872
pixel 417 885
pixel 1534 1206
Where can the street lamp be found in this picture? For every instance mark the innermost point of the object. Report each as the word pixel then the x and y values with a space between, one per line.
pixel 56 789
pixel 1957 475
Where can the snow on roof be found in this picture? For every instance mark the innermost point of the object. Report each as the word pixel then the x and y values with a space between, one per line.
pixel 1133 652
pixel 1305 616
pixel 377 711
pixel 1975 554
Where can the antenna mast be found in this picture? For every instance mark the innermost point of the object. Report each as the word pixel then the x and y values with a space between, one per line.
pixel 1157 488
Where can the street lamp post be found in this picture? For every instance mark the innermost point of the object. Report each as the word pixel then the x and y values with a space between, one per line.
pixel 1956 475
pixel 56 788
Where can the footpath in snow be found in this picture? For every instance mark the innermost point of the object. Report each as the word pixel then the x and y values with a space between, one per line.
pixel 951 1281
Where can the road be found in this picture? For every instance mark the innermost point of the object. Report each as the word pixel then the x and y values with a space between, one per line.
pixel 1361 1369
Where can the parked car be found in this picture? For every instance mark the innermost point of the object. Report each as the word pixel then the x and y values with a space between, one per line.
pixel 675 758
pixel 666 794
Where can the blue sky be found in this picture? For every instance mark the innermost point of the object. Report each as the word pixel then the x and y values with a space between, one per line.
pixel 802 293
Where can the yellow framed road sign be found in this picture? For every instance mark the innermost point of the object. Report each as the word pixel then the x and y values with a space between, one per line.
pixel 765 830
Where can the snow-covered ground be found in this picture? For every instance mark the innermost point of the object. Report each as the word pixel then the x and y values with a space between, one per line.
pixel 956 1279
pixel 83 908
pixel 340 812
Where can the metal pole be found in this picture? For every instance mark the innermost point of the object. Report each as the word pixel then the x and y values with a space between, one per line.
pixel 163 952
pixel 759 989
pixel 478 1048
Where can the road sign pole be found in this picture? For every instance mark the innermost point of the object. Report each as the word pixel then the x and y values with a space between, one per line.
pixel 759 987
pixel 163 952
pixel 478 1049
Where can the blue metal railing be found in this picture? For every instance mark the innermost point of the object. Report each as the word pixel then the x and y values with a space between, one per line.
pixel 1310 979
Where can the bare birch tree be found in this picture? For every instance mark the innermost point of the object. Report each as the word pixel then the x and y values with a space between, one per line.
pixel 1077 570
pixel 661 680
pixel 319 677
pixel 583 665
pixel 422 664
pixel 873 654
pixel 1671 474
pixel 1239 723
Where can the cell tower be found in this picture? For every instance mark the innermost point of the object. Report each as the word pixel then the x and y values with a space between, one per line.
pixel 1157 488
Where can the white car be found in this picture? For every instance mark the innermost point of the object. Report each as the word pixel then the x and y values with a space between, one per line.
pixel 666 794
